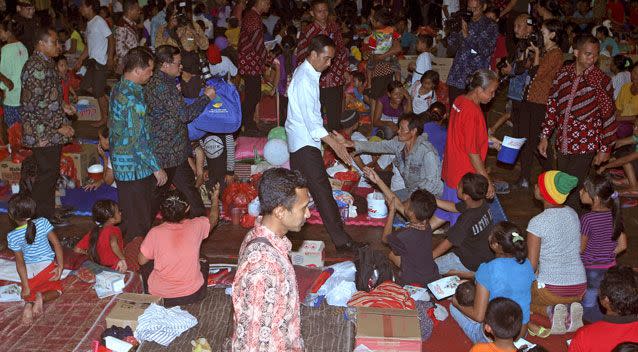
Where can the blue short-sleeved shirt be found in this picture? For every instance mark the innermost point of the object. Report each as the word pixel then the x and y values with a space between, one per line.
pixel 504 277
pixel 38 251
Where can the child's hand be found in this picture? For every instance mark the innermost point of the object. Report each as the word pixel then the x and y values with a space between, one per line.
pixel 121 266
pixel 371 175
pixel 229 179
pixel 26 292
pixel 93 185
pixel 214 193
pixel 57 273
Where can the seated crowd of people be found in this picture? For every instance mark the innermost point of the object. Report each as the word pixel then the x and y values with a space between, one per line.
pixel 345 100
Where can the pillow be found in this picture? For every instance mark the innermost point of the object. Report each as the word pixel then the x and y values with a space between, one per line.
pixel 73 260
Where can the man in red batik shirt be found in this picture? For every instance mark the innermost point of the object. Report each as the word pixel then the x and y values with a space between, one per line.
pixel 252 60
pixel 333 79
pixel 581 110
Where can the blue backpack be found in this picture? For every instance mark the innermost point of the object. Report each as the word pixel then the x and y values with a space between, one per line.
pixel 221 115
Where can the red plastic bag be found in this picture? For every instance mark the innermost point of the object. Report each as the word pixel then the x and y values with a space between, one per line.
pixel 247 221
pixel 238 195
pixel 67 167
pixel 15 136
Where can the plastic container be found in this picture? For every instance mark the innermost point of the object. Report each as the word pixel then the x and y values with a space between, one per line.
pixel 95 172
pixel 235 215
pixel 510 149
pixel 376 206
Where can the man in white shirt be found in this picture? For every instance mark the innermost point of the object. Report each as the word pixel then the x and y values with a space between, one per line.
pixel 304 127
pixel 100 49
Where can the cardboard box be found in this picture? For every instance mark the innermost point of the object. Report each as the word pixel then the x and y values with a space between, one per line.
pixel 388 329
pixel 128 307
pixel 10 171
pixel 81 162
pixel 90 111
pixel 310 254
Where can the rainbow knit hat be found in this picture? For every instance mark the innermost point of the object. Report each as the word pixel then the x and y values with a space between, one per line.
pixel 554 186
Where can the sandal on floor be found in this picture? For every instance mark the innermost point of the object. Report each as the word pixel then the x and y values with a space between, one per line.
pixel 558 320
pixel 629 193
pixel 542 332
pixel 575 317
pixel 620 182
pixel 628 203
pixel 616 173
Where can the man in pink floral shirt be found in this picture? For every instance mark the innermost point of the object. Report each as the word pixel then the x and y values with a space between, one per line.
pixel 265 293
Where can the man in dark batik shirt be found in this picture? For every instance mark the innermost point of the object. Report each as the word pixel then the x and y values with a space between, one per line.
pixel 168 116
pixel 475 42
pixel 45 128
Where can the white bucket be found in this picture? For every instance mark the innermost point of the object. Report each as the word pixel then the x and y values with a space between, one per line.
pixel 376 206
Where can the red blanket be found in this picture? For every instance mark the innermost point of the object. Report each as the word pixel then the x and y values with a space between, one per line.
pixel 69 323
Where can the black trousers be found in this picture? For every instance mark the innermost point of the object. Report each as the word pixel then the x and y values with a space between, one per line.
pixel 217 167
pixel 252 95
pixel 145 272
pixel 527 119
pixel 136 203
pixel 183 178
pixel 283 110
pixel 332 105
pixel 576 165
pixel 47 161
pixel 309 162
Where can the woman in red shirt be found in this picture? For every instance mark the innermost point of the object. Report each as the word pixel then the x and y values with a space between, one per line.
pixel 467 140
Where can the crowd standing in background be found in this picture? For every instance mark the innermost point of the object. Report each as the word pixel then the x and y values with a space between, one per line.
pixel 566 69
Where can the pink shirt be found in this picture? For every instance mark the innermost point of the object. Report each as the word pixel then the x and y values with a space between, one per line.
pixel 175 249
pixel 266 296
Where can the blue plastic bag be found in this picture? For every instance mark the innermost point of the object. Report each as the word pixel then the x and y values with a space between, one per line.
pixel 221 115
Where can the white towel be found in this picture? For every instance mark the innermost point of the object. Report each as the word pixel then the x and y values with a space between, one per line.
pixel 163 325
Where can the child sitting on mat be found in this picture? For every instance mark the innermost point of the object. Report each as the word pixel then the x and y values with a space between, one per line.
pixel 465 293
pixel 39 267
pixel 411 245
pixel 468 237
pixel 104 244
pixel 102 147
pixel 503 321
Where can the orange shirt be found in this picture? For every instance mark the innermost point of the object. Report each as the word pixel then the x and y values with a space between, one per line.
pixel 175 249
pixel 489 347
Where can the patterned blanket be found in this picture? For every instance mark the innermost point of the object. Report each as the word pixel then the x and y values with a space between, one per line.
pixel 70 323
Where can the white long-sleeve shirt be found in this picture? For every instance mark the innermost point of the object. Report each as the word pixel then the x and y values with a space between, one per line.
pixel 304 124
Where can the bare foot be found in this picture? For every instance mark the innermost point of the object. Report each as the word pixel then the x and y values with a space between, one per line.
pixel 37 306
pixel 27 314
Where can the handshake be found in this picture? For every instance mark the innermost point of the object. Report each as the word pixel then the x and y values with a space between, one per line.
pixel 340 145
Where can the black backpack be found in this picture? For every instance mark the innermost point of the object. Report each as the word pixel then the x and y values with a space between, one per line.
pixel 373 268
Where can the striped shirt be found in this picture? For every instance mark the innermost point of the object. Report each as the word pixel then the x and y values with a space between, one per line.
pixel 598 227
pixel 38 251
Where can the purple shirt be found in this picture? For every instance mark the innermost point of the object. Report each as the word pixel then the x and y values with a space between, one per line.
pixel 599 252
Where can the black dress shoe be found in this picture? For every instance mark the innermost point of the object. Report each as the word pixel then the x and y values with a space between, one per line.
pixel 351 246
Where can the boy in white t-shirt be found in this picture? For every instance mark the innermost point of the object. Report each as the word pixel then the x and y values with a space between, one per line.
pixel 423 63
pixel 103 145
pixel 100 51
